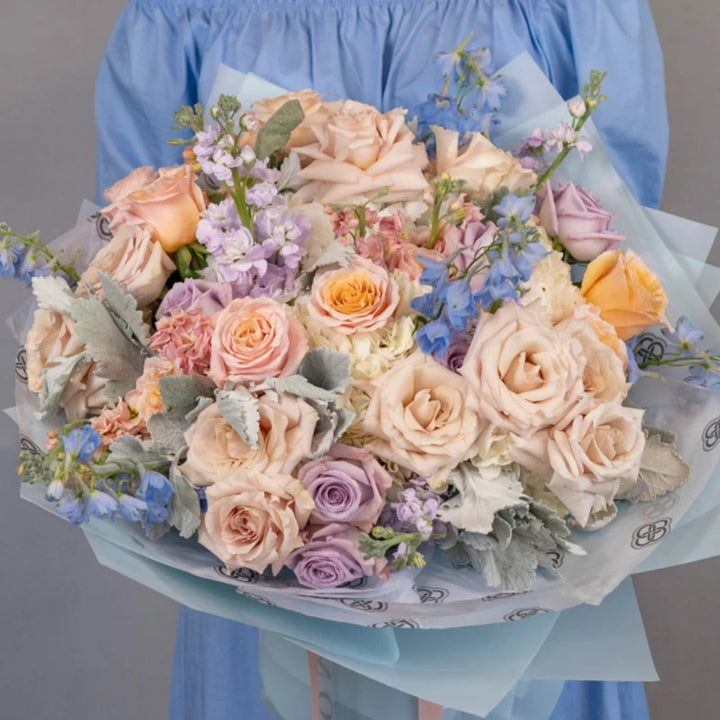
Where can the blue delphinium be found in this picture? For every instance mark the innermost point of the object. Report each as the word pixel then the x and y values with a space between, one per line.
pixel 81 443
pixel 155 490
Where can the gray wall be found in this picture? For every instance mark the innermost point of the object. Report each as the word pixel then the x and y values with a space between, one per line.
pixel 81 642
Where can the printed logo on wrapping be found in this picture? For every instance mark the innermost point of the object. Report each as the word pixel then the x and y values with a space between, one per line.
pixel 356 583
pixel 372 606
pixel 21 372
pixel 244 575
pixel 257 598
pixel 711 435
pixel 102 226
pixel 504 595
pixel 651 533
pixel 401 623
pixel 27 445
pixel 649 348
pixel 556 558
pixel 659 508
pixel 524 613
pixel 326 706
pixel 433 595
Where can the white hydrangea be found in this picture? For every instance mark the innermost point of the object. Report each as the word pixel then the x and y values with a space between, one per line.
pixel 551 289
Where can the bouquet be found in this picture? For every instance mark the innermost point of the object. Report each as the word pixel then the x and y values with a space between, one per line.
pixel 369 371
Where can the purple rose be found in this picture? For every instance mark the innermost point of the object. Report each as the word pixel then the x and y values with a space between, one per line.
pixel 347 485
pixel 210 297
pixel 578 220
pixel 467 242
pixel 330 557
pixel 454 356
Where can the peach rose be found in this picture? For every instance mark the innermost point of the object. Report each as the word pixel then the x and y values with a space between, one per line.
pixel 51 339
pixel 404 256
pixel 528 375
pixel 254 520
pixel 358 151
pixel 146 399
pixel 424 417
pixel 315 110
pixel 359 297
pixel 135 261
pixel 629 295
pixel 255 339
pixel 482 166
pixel 170 204
pixel 215 449
pixel 592 455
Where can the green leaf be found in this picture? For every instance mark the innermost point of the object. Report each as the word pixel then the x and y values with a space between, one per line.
pixel 123 309
pixel 55 379
pixel 184 506
pixel 275 133
pixel 180 393
pixel 327 369
pixel 661 467
pixel 240 409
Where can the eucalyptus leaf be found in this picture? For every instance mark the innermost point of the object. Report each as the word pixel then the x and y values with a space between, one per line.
pixel 184 506
pixel 326 369
pixel 240 409
pixel 275 133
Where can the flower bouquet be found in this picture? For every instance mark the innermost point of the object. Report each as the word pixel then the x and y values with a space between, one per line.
pixel 384 374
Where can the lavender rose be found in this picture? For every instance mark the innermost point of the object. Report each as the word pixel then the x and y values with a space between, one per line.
pixel 580 222
pixel 347 485
pixel 330 557
pixel 210 297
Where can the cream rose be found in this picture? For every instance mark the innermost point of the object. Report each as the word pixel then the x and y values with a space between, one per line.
pixel 255 339
pixel 484 167
pixel 254 520
pixel 528 375
pixel 169 204
pixel 215 449
pixel 135 260
pixel 592 455
pixel 358 151
pixel 424 417
pixel 50 340
pixel 360 297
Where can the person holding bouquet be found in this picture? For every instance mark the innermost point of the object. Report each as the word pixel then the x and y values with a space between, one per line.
pixel 166 53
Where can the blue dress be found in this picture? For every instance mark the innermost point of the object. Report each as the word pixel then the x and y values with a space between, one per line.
pixel 165 53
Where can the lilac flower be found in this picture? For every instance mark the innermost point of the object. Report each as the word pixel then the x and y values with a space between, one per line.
pixel 263 194
pixel 210 297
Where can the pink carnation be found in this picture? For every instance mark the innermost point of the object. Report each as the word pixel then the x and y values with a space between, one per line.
pixel 119 420
pixel 184 337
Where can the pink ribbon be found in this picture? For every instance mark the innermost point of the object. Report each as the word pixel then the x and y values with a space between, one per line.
pixel 426 709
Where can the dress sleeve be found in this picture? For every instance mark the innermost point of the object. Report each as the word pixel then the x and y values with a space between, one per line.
pixel 147 72
pixel 619 37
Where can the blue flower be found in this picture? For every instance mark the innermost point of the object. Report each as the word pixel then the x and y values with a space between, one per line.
pixel 434 272
pixel 101 504
pixel 513 209
pixel 634 373
pixel 130 508
pixel 155 490
pixel 11 255
pixel 74 508
pixel 459 303
pixel 434 338
pixel 685 337
pixel 54 490
pixel 81 443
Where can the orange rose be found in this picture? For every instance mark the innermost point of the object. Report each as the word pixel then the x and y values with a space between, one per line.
pixel 628 294
pixel 360 297
pixel 169 203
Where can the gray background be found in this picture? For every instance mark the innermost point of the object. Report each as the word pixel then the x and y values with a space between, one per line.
pixel 79 641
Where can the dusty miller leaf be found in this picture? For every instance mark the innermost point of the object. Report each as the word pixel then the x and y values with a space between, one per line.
pixel 202 403
pixel 122 307
pixel 326 369
pixel 299 386
pixel 331 424
pixel 53 293
pixel 184 506
pixel 55 379
pixel 275 133
pixel 240 409
pixel 168 433
pixel 661 467
pixel 127 450
pixel 180 393
pixel 289 178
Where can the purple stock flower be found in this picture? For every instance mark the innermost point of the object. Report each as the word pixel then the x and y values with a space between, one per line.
pixel 347 485
pixel 330 558
pixel 210 297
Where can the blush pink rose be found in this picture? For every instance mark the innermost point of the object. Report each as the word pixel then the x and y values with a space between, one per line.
pixel 255 339
pixel 575 216
pixel 185 338
pixel 254 520
pixel 359 298
pixel 170 204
